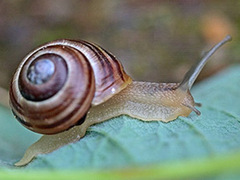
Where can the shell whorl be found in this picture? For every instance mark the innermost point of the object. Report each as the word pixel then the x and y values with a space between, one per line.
pixel 81 74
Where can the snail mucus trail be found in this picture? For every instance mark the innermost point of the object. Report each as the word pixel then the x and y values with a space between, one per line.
pixel 60 83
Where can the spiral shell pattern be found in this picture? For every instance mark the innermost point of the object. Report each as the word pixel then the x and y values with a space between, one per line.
pixel 56 84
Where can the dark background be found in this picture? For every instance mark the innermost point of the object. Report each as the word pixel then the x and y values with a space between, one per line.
pixel 155 40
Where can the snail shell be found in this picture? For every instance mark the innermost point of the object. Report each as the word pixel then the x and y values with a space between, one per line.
pixel 55 85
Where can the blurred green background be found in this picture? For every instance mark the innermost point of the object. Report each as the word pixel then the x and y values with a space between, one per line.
pixel 155 40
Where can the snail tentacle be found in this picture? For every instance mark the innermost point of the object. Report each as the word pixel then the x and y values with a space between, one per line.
pixel 193 73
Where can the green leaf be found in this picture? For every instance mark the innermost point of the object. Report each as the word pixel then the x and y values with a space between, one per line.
pixel 14 139
pixel 186 147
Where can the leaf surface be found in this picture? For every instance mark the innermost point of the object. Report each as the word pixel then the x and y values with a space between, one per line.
pixel 127 142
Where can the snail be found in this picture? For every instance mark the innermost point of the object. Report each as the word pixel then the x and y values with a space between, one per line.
pixel 63 87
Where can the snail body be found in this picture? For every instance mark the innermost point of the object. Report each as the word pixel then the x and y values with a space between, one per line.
pixel 68 83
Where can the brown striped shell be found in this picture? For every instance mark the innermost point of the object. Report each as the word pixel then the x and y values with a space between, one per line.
pixel 55 85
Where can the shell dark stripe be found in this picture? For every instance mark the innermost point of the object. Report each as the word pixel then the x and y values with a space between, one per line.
pixel 26 124
pixel 105 62
pixel 20 108
pixel 91 47
pixel 110 81
pixel 13 102
pixel 65 120
pixel 62 120
pixel 118 65
pixel 54 110
pixel 51 113
pixel 107 87
pixel 115 62
pixel 71 112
